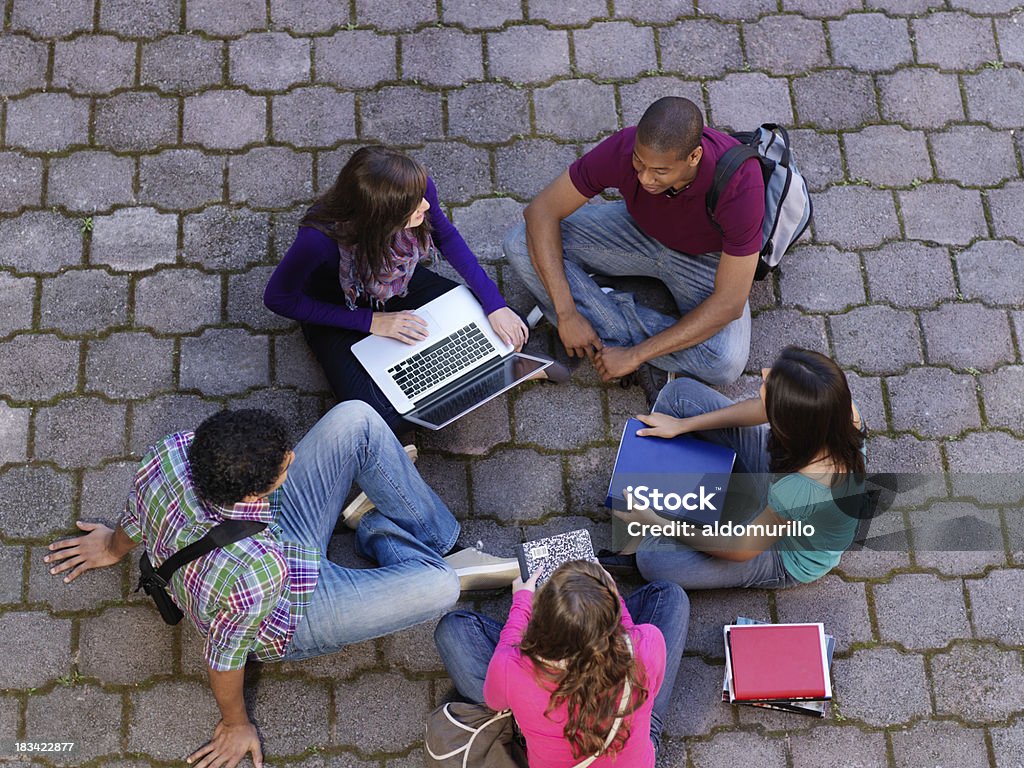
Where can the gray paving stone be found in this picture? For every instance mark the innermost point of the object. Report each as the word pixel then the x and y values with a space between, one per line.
pixel 1001 393
pixel 821 8
pixel 38 367
pixel 51 18
pixel 999 454
pixel 974 155
pixel 449 479
pixel 459 172
pixel 79 432
pixel 876 339
pixel 775 329
pixel 637 97
pixel 40 241
pixel 245 301
pixel 299 412
pixel 134 239
pixel 539 422
pixel 401 115
pixel 90 181
pixel 17 295
pixel 1011 42
pixel 954 40
pixel 38 501
pixel 865 682
pixel 355 59
pixel 785 44
pixel 967 336
pixel 904 7
pixel 309 16
pixel 817 156
pixel 149 18
pixel 177 301
pixel 847 617
pixel 867 394
pixel 376 722
pixel 228 119
pixel 600 531
pixel 293 715
pixel 247 175
pixel 23 61
pixel 225 20
pixel 700 48
pixel 93 64
pixel 413 650
pixel 575 109
pixel 136 121
pixel 224 361
pixel 13 433
pixel 405 14
pixel 165 415
pixel 1004 205
pixel 525 167
pixel 870 41
pixel 47 122
pixel 933 402
pixel 226 238
pixel 821 279
pixel 528 53
pixel 909 274
pixel 697 706
pixel 37 648
pixel 12 566
pixel 957 538
pixel 182 63
pixel 152 733
pixel 483 224
pixel 21 179
pixel 475 434
pixel 269 61
pixel 348 662
pixel 860 749
pixel 939 743
pixel 989 272
pixel 921 611
pixel 728 748
pixel 462 60
pixel 104 490
pixel 1008 745
pixel 588 473
pixel 488 112
pixel 887 154
pixel 834 99
pixel 926 214
pixel 995 612
pixel 295 365
pixel 314 117
pixel 126 365
pixel 138 627
pixel 69 711
pixel 615 50
pixel 651 10
pixel 710 610
pixel 494 498
pixel 83 594
pixel 743 99
pixel 855 217
pixel 920 98
pixel 476 14
pixel 623 404
pixel 181 179
pixel 976 682
pixel 990 96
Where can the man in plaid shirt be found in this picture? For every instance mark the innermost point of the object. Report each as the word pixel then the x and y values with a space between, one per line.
pixel 275 595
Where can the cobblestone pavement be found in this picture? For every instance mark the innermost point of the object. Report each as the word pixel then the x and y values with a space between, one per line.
pixel 155 157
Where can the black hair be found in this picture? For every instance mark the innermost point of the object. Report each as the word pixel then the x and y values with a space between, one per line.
pixel 671 124
pixel 235 454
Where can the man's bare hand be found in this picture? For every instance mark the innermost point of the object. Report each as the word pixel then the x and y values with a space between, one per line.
pixel 615 362
pixel 229 745
pixel 93 550
pixel 578 336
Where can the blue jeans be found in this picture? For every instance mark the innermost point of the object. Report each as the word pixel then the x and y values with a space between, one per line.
pixel 666 558
pixel 604 239
pixel 406 534
pixel 466 641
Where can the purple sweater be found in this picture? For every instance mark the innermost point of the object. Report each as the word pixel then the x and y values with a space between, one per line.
pixel 286 292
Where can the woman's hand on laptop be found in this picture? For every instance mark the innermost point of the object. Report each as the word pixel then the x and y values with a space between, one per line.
pixel 661 425
pixel 404 326
pixel 510 327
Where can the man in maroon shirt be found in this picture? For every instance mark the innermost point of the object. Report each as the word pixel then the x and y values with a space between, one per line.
pixel 663 169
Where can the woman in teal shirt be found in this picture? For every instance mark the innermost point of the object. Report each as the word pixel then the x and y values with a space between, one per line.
pixel 799 455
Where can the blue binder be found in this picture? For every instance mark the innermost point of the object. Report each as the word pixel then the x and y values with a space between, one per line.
pixel 688 468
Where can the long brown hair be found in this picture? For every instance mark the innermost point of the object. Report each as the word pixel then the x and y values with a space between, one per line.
pixel 810 412
pixel 575 639
pixel 370 202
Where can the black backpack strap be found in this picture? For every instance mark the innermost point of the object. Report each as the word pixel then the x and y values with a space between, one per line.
pixel 727 165
pixel 221 535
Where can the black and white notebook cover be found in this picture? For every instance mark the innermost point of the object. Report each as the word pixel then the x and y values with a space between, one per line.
pixel 548 553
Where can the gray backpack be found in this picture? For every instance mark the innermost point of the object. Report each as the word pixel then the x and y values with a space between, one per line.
pixel 787 203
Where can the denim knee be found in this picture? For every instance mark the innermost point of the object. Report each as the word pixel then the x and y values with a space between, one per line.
pixel 671 395
pixel 446 633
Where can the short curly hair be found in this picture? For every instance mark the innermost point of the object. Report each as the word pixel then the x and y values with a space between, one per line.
pixel 235 454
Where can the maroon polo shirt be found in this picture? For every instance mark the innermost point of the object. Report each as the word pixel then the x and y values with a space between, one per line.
pixel 681 222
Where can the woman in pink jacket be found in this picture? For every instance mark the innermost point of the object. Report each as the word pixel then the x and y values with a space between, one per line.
pixel 563 659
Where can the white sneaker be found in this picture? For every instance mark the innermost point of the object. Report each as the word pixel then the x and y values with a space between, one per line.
pixel 361 504
pixel 479 570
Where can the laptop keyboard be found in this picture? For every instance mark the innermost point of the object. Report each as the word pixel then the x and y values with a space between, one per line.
pixel 441 361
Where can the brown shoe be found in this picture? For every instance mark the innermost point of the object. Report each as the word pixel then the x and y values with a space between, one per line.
pixel 361 504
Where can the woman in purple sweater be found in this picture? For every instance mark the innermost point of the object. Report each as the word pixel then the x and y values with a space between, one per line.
pixel 357 267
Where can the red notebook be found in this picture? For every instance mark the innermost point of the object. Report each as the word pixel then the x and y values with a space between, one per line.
pixel 778 661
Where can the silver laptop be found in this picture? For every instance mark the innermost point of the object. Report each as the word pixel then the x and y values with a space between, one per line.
pixel 459 366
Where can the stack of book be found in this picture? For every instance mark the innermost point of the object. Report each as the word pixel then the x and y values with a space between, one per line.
pixel 778 666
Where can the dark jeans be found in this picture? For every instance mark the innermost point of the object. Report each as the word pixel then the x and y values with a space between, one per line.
pixel 466 641
pixel 333 348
